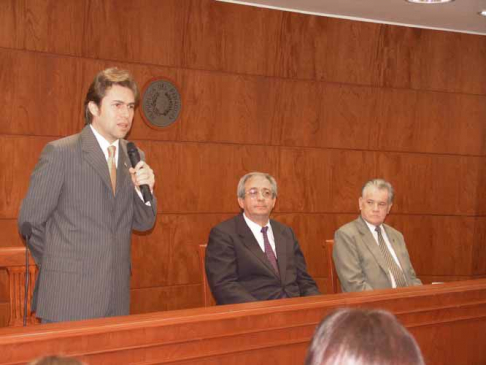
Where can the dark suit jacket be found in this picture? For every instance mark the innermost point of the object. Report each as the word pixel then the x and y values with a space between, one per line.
pixel 359 262
pixel 238 270
pixel 81 232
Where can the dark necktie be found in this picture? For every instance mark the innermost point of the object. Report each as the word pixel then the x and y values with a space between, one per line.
pixel 268 250
pixel 397 273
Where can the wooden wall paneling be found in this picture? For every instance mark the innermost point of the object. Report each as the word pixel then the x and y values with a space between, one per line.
pixel 151 254
pixel 10 232
pixel 311 230
pixel 18 156
pixel 449 61
pixel 228 108
pixel 438 245
pixel 244 40
pixel 143 31
pixel 165 298
pixel 10 25
pixel 189 231
pixel 203 177
pixel 8 82
pixel 315 180
pixel 53 26
pixel 48 94
pixel 431 184
pixel 481 191
pixel 479 248
pixel 430 122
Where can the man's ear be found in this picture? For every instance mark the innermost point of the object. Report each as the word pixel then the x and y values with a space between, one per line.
pixel 93 108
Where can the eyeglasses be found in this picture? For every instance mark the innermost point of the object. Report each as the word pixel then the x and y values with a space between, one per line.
pixel 255 193
pixel 371 204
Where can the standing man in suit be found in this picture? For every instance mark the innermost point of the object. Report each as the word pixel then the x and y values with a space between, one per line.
pixel 369 254
pixel 83 202
pixel 251 257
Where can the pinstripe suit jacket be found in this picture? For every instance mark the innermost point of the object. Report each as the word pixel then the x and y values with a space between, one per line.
pixel 359 262
pixel 81 232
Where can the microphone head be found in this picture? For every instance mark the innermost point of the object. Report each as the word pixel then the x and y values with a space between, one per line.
pixel 131 147
pixel 26 229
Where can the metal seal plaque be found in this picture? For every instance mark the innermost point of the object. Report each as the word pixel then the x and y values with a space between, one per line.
pixel 161 103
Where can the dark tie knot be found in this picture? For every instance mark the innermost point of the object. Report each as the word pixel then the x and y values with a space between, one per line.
pixel 264 229
pixel 377 229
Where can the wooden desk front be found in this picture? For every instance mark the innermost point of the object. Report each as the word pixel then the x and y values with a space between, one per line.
pixel 448 321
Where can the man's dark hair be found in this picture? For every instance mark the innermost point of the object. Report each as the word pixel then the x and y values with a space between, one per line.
pixel 102 82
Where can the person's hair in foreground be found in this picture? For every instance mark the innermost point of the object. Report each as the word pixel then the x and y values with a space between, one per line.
pixel 362 337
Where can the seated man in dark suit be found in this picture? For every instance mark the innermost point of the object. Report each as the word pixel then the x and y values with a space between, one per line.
pixel 251 257
pixel 369 254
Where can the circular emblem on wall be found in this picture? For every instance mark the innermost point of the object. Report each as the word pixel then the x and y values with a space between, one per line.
pixel 161 103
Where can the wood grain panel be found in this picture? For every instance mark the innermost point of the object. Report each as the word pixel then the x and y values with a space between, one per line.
pixel 188 233
pixel 59 111
pixel 438 245
pixel 430 122
pixel 323 180
pixel 428 184
pixel 143 31
pixel 479 249
pixel 18 156
pixel 424 59
pixel 243 40
pixel 157 299
pixel 229 108
pixel 481 191
pixel 10 234
pixel 54 26
pixel 11 28
pixel 151 254
pixel 203 177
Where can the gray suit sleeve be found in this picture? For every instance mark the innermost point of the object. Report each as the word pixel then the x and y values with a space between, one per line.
pixel 144 217
pixel 41 200
pixel 221 270
pixel 347 261
pixel 412 276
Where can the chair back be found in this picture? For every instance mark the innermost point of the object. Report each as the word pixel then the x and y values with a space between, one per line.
pixel 207 297
pixel 333 284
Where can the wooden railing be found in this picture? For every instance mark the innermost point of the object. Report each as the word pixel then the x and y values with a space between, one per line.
pixel 448 321
pixel 13 260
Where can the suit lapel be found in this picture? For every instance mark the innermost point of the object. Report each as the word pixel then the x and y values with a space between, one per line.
pixel 93 154
pixel 251 243
pixel 281 249
pixel 371 243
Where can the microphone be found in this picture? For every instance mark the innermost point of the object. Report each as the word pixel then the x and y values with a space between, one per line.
pixel 26 230
pixel 134 157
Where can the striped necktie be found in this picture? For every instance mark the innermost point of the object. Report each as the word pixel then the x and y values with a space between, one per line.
pixel 393 267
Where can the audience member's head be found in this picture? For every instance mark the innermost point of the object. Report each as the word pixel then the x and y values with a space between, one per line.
pixel 362 337
pixel 56 360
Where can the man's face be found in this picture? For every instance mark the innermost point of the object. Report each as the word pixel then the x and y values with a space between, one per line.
pixel 258 203
pixel 113 119
pixel 374 205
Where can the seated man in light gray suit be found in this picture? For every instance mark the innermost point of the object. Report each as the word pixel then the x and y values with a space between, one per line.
pixel 369 254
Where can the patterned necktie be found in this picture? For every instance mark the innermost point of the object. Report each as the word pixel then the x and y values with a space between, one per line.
pixel 268 250
pixel 112 166
pixel 396 271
